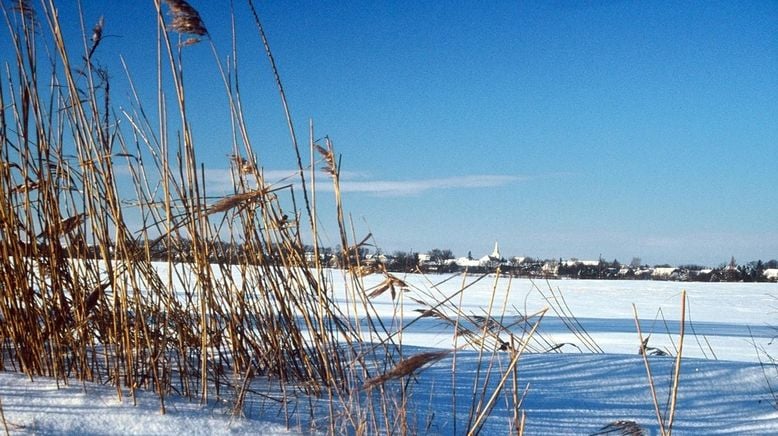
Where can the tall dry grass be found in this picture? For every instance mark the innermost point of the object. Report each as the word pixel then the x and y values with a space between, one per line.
pixel 171 289
pixel 81 297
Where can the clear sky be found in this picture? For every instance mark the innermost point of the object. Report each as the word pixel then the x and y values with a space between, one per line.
pixel 560 129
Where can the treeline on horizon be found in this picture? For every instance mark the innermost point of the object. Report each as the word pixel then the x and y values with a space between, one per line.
pixel 179 250
pixel 440 261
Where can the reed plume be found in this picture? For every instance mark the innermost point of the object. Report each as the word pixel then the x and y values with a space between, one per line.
pixel 407 367
pixel 186 19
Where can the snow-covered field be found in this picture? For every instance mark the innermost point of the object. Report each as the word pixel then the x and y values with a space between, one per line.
pixel 723 386
pixel 726 317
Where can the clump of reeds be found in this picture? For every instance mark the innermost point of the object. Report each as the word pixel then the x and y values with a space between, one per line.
pixel 211 292
pixel 81 295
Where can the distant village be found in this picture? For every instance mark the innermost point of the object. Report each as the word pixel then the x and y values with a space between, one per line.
pixel 444 261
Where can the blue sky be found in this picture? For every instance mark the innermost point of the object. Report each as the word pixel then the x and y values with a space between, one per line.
pixel 560 129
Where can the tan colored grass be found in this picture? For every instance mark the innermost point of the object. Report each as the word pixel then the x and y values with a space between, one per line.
pixel 407 367
pixel 82 298
pixel 235 200
pixel 329 160
pixel 390 283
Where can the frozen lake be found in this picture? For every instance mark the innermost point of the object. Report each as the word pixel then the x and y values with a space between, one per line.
pixel 723 320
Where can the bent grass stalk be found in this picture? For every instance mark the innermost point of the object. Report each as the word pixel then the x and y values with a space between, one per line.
pixel 677 373
pixel 650 377
pixel 2 416
pixel 666 422
pixel 475 427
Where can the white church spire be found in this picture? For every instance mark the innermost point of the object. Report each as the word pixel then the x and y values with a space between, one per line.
pixel 496 253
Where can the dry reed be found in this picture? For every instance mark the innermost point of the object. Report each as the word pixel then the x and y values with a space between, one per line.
pixel 665 421
pixel 407 367
pixel 186 19
pixel 623 428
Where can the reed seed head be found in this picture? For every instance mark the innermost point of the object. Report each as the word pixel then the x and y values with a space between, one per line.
pixel 407 367
pixel 186 19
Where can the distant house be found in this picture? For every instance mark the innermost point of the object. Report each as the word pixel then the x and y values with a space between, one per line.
pixel 378 258
pixel 550 268
pixel 518 260
pixel 643 274
pixel 572 268
pixel 492 260
pixel 664 273
pixel 701 275
pixel 583 262
pixel 771 274
pixel 466 262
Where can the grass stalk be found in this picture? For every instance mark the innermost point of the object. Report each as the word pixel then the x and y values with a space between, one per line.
pixel 677 366
pixel 2 416
pixel 650 377
pixel 475 427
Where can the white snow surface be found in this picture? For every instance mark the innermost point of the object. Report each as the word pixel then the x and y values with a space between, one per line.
pixel 43 408
pixel 723 384
pixel 722 319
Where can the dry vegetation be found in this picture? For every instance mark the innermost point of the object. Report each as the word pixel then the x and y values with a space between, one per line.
pixel 81 299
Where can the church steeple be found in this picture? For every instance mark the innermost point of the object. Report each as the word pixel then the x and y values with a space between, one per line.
pixel 496 253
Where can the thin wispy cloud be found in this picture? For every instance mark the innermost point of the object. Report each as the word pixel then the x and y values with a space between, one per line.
pixel 355 182
pixel 220 181
pixel 419 186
